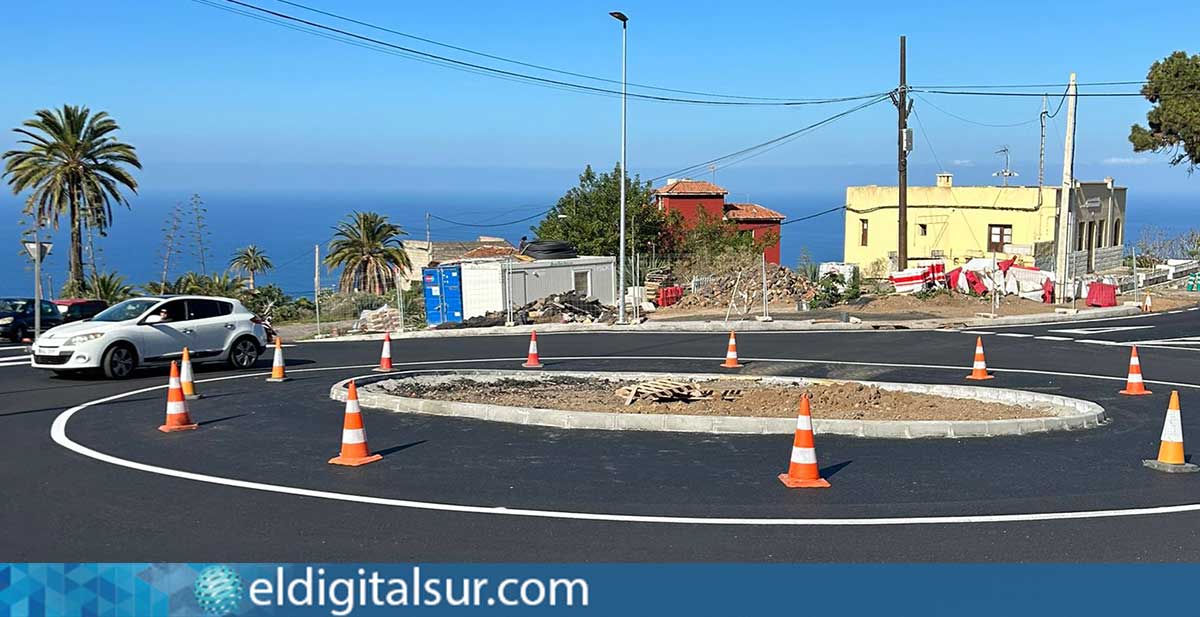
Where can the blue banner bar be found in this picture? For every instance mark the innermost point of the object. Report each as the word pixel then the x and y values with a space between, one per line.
pixel 219 590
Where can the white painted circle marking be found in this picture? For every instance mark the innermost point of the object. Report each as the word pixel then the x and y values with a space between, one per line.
pixel 59 434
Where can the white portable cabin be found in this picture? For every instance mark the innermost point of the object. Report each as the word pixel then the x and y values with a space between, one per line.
pixel 486 282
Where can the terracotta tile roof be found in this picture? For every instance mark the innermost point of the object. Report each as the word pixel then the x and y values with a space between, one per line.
pixel 751 212
pixel 690 187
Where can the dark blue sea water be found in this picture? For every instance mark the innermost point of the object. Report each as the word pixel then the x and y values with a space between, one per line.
pixel 288 225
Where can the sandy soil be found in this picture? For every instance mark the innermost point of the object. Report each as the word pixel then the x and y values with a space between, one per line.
pixel 845 401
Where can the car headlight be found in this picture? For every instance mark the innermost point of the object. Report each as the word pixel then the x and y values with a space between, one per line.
pixel 5 320
pixel 83 338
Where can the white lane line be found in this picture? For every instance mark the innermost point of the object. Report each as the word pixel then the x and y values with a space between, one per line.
pixel 1097 341
pixel 59 434
pixel 979 332
pixel 1053 338
pixel 24 362
pixel 1075 321
pixel 1014 334
pixel 1194 308
pixel 1107 330
pixel 25 347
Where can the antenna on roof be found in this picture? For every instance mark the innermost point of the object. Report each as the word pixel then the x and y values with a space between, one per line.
pixel 712 169
pixel 1005 173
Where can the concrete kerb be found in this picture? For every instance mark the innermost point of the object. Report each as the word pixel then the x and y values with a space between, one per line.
pixel 747 326
pixel 1065 413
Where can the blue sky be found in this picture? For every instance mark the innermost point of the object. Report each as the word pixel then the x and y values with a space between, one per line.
pixel 215 101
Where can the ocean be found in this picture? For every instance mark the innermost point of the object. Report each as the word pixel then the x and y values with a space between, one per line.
pixel 287 226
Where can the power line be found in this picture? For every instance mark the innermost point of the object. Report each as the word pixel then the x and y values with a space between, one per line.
pixel 970 121
pixel 1020 86
pixel 1080 94
pixel 528 218
pixel 524 77
pixel 755 150
pixel 813 216
pixel 921 125
pixel 531 65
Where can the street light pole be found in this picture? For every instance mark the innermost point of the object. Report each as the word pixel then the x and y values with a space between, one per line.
pixel 619 16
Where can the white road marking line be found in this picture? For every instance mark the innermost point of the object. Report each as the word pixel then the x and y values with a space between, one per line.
pixel 1174 312
pixel 1097 342
pixel 14 347
pixel 980 332
pixel 24 362
pixel 1194 308
pixel 58 432
pixel 1100 330
pixel 1053 338
pixel 1014 334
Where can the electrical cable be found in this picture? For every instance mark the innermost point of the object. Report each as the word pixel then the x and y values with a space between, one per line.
pixel 529 218
pixel 970 121
pixel 755 150
pixel 532 79
pixel 526 64
pixel 813 216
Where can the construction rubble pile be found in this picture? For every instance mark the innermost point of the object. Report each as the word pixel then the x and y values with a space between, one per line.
pixel 668 390
pixel 566 307
pixel 744 288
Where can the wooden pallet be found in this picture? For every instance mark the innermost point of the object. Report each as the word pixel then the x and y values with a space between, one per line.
pixel 666 390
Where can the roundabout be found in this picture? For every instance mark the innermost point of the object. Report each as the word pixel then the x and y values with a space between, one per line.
pixel 473 488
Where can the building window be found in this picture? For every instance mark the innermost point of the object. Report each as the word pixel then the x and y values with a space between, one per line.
pixel 1100 234
pixel 862 237
pixel 922 229
pixel 1081 237
pixel 1116 233
pixel 583 281
pixel 998 236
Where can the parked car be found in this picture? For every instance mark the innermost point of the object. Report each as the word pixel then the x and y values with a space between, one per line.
pixel 16 318
pixel 78 309
pixel 153 330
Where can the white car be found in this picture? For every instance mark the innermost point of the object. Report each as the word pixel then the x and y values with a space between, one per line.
pixel 153 330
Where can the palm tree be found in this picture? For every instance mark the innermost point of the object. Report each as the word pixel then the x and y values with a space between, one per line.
pixel 250 260
pixel 369 250
pixel 108 286
pixel 223 285
pixel 73 165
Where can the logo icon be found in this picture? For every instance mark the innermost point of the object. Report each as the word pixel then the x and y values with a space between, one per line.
pixel 218 590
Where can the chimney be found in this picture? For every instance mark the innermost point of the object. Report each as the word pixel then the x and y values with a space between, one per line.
pixel 1108 182
pixel 945 180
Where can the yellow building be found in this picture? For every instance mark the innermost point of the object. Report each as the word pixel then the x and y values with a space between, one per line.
pixel 957 223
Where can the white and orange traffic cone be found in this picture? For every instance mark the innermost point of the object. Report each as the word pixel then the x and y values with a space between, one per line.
pixel 803 471
pixel 385 357
pixel 1147 304
pixel 1170 449
pixel 186 379
pixel 354 436
pixel 1134 386
pixel 731 359
pixel 278 374
pixel 177 411
pixel 979 370
pixel 533 361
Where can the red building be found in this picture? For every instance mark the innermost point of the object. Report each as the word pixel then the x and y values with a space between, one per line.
pixel 692 197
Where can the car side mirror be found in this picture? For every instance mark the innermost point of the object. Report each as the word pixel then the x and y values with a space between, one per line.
pixel 153 319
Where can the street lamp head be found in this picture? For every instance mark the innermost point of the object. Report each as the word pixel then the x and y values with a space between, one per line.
pixel 619 16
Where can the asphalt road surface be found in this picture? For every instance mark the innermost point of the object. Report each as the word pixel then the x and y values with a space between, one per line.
pixel 252 484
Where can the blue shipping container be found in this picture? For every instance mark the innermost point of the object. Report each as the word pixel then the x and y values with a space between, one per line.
pixel 443 295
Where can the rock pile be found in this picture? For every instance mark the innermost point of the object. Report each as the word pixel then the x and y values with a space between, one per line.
pixel 567 307
pixel 716 290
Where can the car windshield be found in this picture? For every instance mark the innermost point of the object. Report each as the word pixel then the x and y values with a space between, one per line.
pixel 128 309
pixel 12 305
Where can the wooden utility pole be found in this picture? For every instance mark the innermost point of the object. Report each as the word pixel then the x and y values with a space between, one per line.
pixel 902 145
pixel 1064 198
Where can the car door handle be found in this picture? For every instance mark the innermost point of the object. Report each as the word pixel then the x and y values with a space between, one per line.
pixel 188 331
pixel 229 326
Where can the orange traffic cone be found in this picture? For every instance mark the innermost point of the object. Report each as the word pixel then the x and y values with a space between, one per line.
pixel 731 359
pixel 1134 386
pixel 533 361
pixel 177 411
pixel 979 367
pixel 277 371
pixel 185 377
pixel 1147 304
pixel 1170 449
pixel 354 437
pixel 385 358
pixel 803 471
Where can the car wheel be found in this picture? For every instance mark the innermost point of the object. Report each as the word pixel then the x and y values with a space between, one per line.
pixel 244 353
pixel 19 334
pixel 119 362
